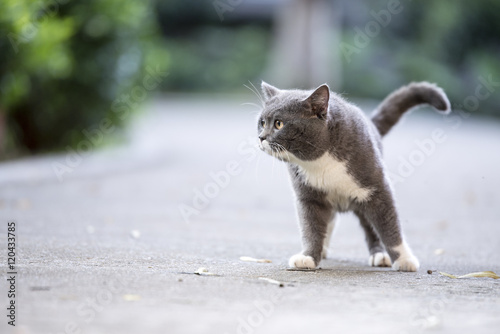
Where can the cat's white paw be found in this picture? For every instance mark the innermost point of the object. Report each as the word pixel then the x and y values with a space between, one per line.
pixel 301 261
pixel 408 263
pixel 379 260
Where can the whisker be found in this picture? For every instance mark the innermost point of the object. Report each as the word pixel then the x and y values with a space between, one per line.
pixel 273 151
pixel 255 112
pixel 256 93
pixel 251 89
pixel 251 104
pixel 278 148
pixel 286 152
pixel 281 149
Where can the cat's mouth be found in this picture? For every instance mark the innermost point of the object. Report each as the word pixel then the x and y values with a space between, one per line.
pixel 274 149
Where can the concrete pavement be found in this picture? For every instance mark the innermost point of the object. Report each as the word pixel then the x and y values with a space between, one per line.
pixel 112 248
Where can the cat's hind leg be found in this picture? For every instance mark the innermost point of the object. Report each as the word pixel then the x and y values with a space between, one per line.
pixel 378 255
pixel 381 212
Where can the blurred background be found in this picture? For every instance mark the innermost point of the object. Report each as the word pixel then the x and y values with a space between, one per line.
pixel 67 65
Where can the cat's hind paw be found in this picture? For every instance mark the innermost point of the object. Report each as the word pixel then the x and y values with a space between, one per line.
pixel 302 261
pixel 379 260
pixel 406 260
pixel 409 263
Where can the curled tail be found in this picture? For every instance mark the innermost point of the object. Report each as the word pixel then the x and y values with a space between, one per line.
pixel 398 102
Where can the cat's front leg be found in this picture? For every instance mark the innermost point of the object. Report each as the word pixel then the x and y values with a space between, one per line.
pixel 329 231
pixel 314 215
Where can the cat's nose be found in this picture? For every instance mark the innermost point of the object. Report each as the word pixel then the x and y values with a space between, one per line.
pixel 262 138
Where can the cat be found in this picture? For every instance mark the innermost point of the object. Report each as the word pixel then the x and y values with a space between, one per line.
pixel 334 157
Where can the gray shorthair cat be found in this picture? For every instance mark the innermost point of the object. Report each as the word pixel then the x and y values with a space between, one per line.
pixel 334 157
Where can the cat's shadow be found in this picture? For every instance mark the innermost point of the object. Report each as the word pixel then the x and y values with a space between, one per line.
pixel 343 268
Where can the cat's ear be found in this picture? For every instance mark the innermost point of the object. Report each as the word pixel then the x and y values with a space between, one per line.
pixel 268 90
pixel 318 101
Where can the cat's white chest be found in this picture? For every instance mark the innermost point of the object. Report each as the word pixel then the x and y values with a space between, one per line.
pixel 331 176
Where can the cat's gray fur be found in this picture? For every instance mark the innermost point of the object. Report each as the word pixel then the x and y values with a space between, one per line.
pixel 322 130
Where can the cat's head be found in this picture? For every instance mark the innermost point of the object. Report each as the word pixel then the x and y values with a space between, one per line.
pixel 293 123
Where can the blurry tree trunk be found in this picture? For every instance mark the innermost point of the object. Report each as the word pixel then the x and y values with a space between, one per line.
pixel 306 39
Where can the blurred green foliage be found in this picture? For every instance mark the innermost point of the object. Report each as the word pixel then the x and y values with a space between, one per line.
pixel 451 43
pixel 209 54
pixel 63 63
pixel 66 64
pixel 217 59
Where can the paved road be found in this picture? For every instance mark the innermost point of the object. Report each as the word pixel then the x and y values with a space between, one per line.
pixel 107 250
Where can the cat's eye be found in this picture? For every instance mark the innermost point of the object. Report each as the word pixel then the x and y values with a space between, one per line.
pixel 278 124
pixel 263 123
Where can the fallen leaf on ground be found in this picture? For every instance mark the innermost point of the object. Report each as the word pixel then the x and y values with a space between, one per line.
pixel 204 272
pixel 251 259
pixel 489 274
pixel 448 275
pixel 439 251
pixel 131 298
pixel 272 281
